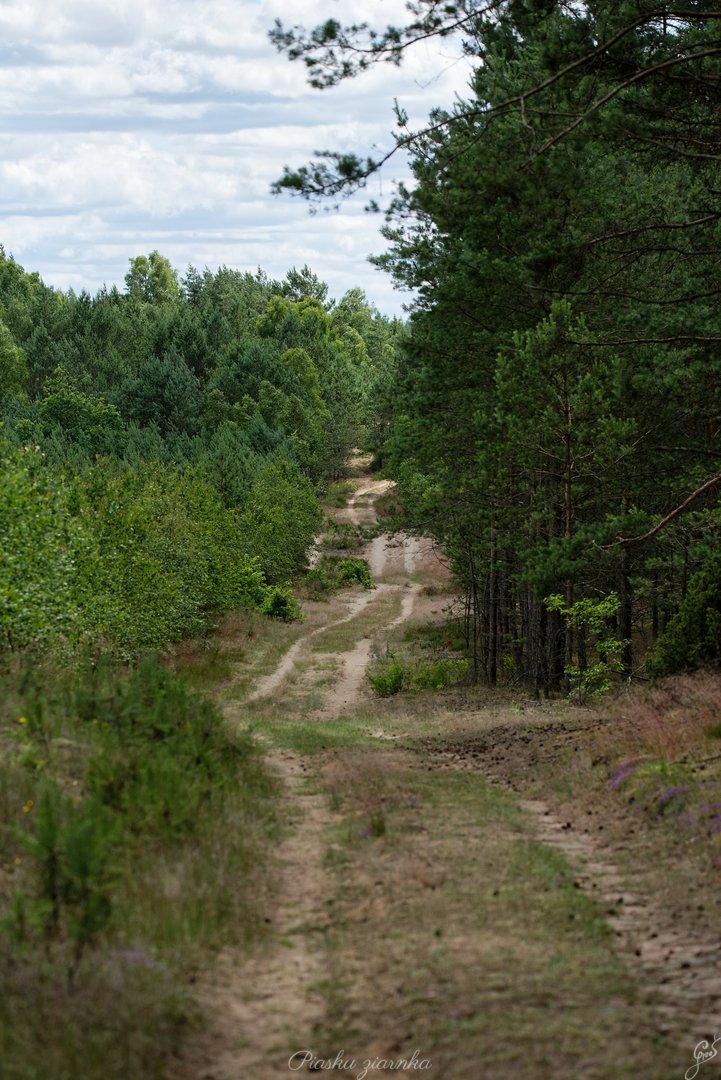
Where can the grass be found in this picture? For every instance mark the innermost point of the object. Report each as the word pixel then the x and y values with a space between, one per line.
pixel 144 824
pixel 310 736
pixel 660 745
pixel 338 493
pixel 124 1019
pixel 496 964
pixel 382 609
pixel 389 677
pixel 246 646
pixel 670 719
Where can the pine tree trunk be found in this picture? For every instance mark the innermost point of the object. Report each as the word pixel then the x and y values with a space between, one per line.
pixel 492 621
pixel 625 615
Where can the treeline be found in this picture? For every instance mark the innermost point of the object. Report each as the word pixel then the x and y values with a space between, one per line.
pixel 561 393
pixel 163 446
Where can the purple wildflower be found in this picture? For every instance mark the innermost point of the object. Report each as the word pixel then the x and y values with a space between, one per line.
pixel 664 796
pixel 628 768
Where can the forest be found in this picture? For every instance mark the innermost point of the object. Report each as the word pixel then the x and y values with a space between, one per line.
pixel 560 399
pixel 174 437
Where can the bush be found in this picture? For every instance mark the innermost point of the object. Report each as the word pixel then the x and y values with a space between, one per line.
pixel 388 680
pixel 163 750
pixel 132 559
pixel 592 618
pixel 392 677
pixel 133 823
pixel 354 572
pixel 170 555
pixel 280 603
pixel 280 520
pixel 321 580
pixel 73 851
pixel 43 550
pixel 438 674
pixel 332 572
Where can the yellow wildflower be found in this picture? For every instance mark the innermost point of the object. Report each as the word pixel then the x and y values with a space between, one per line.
pixel 22 719
pixel 28 806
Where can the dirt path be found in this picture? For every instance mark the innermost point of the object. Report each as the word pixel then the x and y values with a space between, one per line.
pixel 260 1005
pixel 426 903
pixel 346 694
pixel 681 969
pixel 681 963
pixel 263 1005
pixel 272 682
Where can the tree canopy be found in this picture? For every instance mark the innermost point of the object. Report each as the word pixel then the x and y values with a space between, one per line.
pixel 163 448
pixel 559 392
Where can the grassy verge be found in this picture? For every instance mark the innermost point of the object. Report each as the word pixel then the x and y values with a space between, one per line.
pixel 245 647
pixel 662 747
pixel 493 963
pixel 133 824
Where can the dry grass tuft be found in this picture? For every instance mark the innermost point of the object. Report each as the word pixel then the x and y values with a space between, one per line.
pixel 678 717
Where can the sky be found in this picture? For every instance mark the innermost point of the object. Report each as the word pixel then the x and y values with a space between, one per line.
pixel 135 125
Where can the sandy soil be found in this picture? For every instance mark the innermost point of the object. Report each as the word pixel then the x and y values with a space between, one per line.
pixel 369 949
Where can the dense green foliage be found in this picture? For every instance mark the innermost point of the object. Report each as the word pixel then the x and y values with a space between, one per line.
pixel 162 454
pixel 163 448
pixel 560 391
pixel 692 639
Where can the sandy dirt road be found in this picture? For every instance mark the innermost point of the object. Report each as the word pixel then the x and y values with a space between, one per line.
pixel 422 902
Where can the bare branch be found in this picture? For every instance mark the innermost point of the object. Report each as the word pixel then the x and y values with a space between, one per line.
pixel 708 486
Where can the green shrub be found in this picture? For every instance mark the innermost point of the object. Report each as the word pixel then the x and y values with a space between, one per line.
pixel 321 580
pixel 592 619
pixel 333 572
pixel 437 674
pixel 354 572
pixel 73 855
pixel 43 550
pixel 391 677
pixel 279 603
pixel 280 520
pixel 344 537
pixel 164 751
pixel 387 680
pixel 134 559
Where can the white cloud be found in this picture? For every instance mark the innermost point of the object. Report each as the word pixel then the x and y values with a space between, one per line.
pixel 159 123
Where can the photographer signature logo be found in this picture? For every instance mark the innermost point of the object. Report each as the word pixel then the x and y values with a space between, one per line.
pixel 705 1051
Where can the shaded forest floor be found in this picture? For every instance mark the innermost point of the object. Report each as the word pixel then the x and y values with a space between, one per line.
pixel 457 879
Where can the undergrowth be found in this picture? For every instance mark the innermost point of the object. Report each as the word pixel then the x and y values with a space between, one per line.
pixel 132 828
pixel 389 677
pixel 332 572
pixel 664 752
